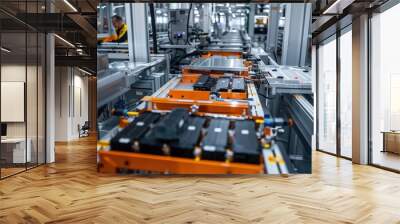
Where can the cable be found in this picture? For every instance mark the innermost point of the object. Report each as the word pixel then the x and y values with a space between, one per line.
pixel 153 26
pixel 169 33
pixel 187 24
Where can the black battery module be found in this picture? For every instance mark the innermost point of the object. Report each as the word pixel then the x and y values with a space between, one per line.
pixel 124 140
pixel 216 140
pixel 245 145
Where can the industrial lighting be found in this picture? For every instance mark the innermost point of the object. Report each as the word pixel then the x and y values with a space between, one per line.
pixel 118 6
pixel 65 41
pixel 84 71
pixel 70 5
pixel 337 6
pixel 5 50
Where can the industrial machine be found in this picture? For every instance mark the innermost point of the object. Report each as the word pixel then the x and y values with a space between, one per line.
pixel 210 104
pixel 121 84
pixel 179 26
pixel 207 120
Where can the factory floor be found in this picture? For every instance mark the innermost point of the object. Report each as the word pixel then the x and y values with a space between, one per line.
pixel 71 191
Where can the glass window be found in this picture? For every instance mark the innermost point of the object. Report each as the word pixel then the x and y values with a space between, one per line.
pixel 14 154
pixel 385 89
pixel 22 91
pixel 346 94
pixel 327 96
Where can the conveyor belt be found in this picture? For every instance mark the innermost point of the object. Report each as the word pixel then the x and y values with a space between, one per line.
pixel 125 139
pixel 245 146
pixel 216 140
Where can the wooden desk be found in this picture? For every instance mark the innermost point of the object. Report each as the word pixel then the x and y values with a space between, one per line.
pixel 17 150
pixel 391 141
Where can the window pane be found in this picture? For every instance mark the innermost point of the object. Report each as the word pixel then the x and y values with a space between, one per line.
pixel 385 89
pixel 41 99
pixel 346 94
pixel 14 153
pixel 31 100
pixel 327 97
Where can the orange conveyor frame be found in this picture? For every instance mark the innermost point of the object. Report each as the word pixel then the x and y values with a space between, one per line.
pixel 112 161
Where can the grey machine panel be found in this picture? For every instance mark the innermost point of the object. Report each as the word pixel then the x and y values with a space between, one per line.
pixel 286 79
pixel 110 85
pixel 178 24
pixel 218 63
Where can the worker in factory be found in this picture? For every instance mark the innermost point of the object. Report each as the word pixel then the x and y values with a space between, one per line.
pixel 121 31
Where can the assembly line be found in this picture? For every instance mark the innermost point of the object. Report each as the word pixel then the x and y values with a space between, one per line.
pixel 199 102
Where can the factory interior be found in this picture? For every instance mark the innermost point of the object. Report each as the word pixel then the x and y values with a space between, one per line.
pixel 208 98
pixel 96 95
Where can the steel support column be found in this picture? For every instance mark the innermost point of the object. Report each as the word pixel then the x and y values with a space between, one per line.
pixel 50 94
pixel 205 14
pixel 250 29
pixel 360 90
pixel 138 43
pixel 296 34
pixel 273 28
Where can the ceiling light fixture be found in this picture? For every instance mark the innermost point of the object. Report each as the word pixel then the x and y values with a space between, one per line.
pixel 5 50
pixel 70 5
pixel 65 41
pixel 84 71
pixel 337 7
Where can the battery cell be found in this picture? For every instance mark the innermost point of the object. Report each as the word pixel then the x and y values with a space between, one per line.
pixel 216 140
pixel 189 138
pixel 204 83
pixel 164 132
pixel 171 125
pixel 222 85
pixel 124 140
pixel 245 145
pixel 238 85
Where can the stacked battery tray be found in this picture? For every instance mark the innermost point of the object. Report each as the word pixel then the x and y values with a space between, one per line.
pixel 179 134
pixel 222 84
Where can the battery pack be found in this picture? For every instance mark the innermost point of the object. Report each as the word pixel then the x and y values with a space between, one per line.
pixel 238 85
pixel 245 145
pixel 125 139
pixel 189 138
pixel 204 83
pixel 216 140
pixel 222 85
pixel 164 132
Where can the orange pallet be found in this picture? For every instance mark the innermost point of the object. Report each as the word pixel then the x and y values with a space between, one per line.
pixel 237 54
pixel 204 106
pixel 111 161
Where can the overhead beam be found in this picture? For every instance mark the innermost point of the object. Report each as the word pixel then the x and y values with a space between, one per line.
pixel 78 61
pixel 90 31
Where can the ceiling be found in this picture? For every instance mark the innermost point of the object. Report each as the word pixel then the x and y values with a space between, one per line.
pixel 72 20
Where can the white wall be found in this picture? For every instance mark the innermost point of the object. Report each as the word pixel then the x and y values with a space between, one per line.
pixel 71 102
pixel 12 73
pixel 33 127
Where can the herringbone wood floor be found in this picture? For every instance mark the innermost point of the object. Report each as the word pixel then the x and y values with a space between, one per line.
pixel 71 191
